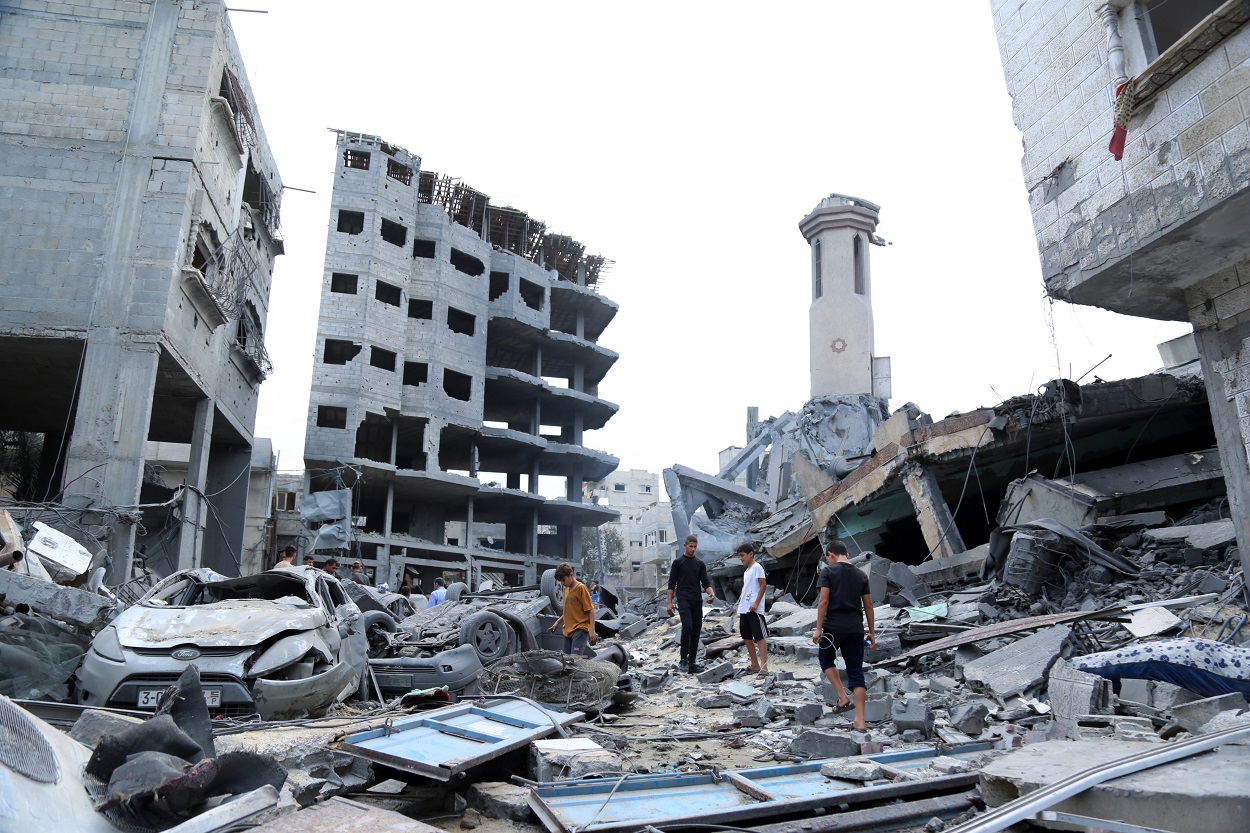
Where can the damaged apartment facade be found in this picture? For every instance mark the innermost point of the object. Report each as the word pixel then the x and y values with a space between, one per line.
pixel 138 232
pixel 457 364
pixel 1160 229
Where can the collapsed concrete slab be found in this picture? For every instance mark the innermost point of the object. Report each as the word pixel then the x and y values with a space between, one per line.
pixel 67 604
pixel 1018 666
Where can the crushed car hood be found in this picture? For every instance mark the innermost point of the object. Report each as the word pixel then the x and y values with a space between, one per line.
pixel 239 622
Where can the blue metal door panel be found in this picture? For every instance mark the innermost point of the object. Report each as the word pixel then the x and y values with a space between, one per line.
pixel 446 741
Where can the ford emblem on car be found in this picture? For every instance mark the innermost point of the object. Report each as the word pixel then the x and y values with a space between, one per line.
pixel 186 653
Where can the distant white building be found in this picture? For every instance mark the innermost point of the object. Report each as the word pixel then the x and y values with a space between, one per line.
pixel 645 524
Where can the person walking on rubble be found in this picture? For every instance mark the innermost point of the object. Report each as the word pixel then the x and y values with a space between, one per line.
pixel 750 610
pixel 579 613
pixel 840 626
pixel 286 558
pixel 686 576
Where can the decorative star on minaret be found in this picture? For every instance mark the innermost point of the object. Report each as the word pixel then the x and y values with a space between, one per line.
pixel 838 345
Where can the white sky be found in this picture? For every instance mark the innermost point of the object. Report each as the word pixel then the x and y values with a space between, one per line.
pixel 685 141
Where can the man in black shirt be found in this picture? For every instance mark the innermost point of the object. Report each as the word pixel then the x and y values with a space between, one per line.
pixel 839 626
pixel 686 576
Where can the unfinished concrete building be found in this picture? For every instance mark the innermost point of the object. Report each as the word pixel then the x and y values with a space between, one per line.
pixel 1136 123
pixel 457 363
pixel 138 231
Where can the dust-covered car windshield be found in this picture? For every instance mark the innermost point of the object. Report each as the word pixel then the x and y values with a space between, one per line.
pixel 289 589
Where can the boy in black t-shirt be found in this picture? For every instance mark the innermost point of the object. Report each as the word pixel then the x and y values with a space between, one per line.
pixel 839 626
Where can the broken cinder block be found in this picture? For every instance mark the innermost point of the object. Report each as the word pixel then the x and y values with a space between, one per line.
pixel 824 743
pixel 558 759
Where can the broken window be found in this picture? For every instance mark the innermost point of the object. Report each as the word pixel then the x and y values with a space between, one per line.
pixel 423 248
pixel 328 416
pixel 383 359
pixel 339 352
pixel 816 289
pixel 1167 22
pixel 420 309
pixel 358 159
pixel 258 194
pixel 618 487
pixel 532 294
pixel 458 385
pixel 373 438
pixel 416 373
pixel 351 222
pixel 467 263
pixel 394 233
pixel 284 501
pixel 663 536
pixel 498 285
pixel 343 283
pixel 459 321
pixel 387 293
pixel 860 277
pixel 399 171
pixel 646 489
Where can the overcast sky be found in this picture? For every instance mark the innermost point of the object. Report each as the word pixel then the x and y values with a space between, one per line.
pixel 685 141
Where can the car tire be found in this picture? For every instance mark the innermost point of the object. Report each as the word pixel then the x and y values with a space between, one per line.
pixel 371 623
pixel 554 591
pixel 454 591
pixel 489 635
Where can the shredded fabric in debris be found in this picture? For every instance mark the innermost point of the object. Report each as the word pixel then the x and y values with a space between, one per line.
pixel 1202 666
pixel 553 678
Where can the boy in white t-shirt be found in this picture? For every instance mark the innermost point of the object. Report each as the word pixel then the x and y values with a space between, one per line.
pixel 751 610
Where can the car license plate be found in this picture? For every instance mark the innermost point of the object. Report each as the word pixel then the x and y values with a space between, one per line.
pixel 149 696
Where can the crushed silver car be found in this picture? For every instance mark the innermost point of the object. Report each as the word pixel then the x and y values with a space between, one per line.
pixel 286 643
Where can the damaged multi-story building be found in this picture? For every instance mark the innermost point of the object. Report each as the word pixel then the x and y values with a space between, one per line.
pixel 138 232
pixel 1136 125
pixel 457 364
pixel 911 489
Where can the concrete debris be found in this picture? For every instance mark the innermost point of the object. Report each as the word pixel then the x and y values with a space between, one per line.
pixel 1019 666
pixel 852 769
pixel 497 800
pixel 823 743
pixel 561 759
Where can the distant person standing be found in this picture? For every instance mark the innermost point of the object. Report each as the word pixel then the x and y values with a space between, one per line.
pixel 309 561
pixel 845 602
pixel 358 574
pixel 594 591
pixel 286 558
pixel 331 566
pixel 686 576
pixel 751 609
pixel 438 594
pixel 579 613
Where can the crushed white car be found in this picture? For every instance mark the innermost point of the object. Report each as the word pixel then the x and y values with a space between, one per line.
pixel 283 644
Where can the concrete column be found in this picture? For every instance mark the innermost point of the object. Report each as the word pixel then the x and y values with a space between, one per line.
pixel 937 524
pixel 390 511
pixel 104 465
pixel 194 510
pixel 468 524
pixel 226 485
pixel 1215 348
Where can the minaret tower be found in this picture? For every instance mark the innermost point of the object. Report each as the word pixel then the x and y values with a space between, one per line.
pixel 840 231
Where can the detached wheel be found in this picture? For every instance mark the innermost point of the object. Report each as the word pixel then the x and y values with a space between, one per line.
pixel 489 635
pixel 553 590
pixel 455 590
pixel 375 624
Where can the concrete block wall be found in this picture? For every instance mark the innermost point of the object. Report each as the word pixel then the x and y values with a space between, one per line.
pixel 1188 147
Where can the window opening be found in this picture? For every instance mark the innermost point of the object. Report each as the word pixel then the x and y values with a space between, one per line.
pixel 351 222
pixel 459 321
pixel 420 309
pixel 423 248
pixel 532 294
pixel 399 171
pixel 383 359
pixel 816 288
pixel 457 385
pixel 358 159
pixel 394 233
pixel 387 293
pixel 498 285
pixel 343 283
pixel 416 373
pixel 860 278
pixel 1167 21
pixel 467 263
pixel 339 352
pixel 329 416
